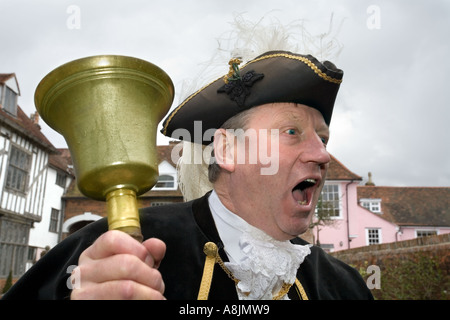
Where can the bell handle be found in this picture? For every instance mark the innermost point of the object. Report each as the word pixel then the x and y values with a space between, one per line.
pixel 123 213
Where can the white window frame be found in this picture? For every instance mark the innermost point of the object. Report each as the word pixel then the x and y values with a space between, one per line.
pixel 9 108
pixel 339 208
pixel 373 205
pixel 17 171
pixel 54 220
pixel 174 187
pixel 416 231
pixel 380 236
pixel 61 179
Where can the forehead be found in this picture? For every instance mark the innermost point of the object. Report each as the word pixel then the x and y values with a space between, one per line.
pixel 281 112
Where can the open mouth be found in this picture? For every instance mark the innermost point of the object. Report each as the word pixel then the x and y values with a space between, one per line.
pixel 303 191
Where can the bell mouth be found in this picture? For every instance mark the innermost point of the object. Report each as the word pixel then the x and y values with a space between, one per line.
pixel 96 68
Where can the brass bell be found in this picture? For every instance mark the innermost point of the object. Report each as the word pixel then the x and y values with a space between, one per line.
pixel 108 108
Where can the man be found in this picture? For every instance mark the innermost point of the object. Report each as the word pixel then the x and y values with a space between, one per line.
pixel 269 121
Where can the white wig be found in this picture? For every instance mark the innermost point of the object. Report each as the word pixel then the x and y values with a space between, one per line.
pixel 192 170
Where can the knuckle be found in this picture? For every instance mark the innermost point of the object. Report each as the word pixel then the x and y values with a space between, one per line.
pixel 111 238
pixel 126 289
pixel 127 265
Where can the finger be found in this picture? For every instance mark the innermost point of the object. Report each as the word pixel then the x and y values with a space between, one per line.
pixel 157 250
pixel 118 267
pixel 116 290
pixel 114 242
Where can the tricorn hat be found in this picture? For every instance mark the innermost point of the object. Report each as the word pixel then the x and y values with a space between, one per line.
pixel 275 76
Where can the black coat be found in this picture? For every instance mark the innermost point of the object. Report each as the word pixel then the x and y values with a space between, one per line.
pixel 185 228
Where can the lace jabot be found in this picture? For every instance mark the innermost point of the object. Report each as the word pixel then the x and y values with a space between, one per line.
pixel 260 263
pixel 267 265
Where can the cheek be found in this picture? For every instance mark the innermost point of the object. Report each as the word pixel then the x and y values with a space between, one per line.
pixel 262 148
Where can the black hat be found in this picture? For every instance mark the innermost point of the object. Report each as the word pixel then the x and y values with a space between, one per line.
pixel 275 76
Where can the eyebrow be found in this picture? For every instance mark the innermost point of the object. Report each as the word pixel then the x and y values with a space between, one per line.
pixel 324 130
pixel 292 116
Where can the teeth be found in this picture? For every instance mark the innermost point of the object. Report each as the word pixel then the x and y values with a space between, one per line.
pixel 302 203
pixel 313 181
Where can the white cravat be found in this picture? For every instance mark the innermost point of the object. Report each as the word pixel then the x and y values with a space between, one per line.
pixel 261 263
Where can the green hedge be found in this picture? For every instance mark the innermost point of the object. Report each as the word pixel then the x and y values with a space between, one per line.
pixel 413 276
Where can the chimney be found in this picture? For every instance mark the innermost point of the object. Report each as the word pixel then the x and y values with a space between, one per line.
pixel 35 118
pixel 370 182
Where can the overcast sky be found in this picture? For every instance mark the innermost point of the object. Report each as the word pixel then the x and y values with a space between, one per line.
pixel 392 113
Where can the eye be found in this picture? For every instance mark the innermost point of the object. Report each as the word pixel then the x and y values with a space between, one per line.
pixel 324 141
pixel 291 131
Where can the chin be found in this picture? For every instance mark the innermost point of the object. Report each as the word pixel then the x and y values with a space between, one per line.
pixel 300 225
pixel 295 229
pixel 300 231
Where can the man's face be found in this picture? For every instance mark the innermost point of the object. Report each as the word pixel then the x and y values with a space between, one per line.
pixel 281 203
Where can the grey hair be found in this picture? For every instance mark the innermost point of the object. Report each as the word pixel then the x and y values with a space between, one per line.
pixel 239 121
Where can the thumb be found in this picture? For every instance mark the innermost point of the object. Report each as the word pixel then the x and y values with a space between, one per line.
pixel 156 249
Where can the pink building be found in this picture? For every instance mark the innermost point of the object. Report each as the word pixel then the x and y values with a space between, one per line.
pixel 361 215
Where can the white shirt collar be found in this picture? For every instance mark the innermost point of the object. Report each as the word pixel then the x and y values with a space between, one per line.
pixel 229 225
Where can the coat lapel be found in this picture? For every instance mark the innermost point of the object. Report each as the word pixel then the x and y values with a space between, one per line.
pixel 222 287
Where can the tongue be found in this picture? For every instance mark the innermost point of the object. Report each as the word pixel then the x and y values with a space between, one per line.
pixel 299 195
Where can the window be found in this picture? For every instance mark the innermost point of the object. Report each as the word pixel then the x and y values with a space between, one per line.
pixel 373 205
pixel 32 254
pixel 329 200
pixel 54 221
pixel 61 180
pixel 373 236
pixel 165 181
pixel 160 203
pixel 19 162
pixel 425 233
pixel 13 247
pixel 9 101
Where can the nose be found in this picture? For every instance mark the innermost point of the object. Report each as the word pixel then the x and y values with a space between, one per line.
pixel 314 151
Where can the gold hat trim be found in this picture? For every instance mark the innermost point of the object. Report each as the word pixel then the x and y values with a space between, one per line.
pixel 305 60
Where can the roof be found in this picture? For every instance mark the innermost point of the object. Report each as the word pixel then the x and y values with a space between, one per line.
pixel 411 206
pixel 21 123
pixel 25 126
pixel 4 77
pixel 62 161
pixel 337 171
